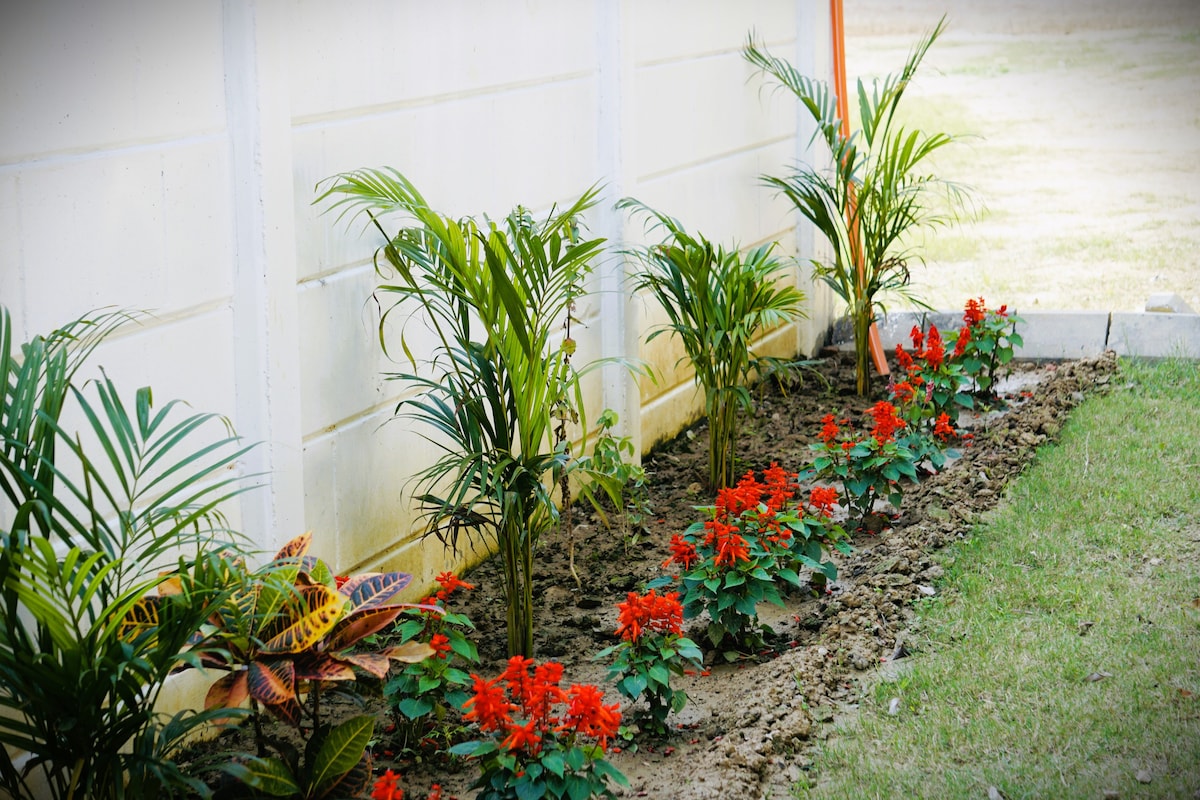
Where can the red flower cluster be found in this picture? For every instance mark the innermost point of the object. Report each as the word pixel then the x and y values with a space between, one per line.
pixel 925 346
pixel 649 612
pixel 449 583
pixel 683 553
pixel 886 421
pixel 823 499
pixel 729 545
pixel 934 352
pixel 904 392
pixel 943 429
pixel 440 643
pixel 781 486
pixel 960 345
pixel 974 312
pixel 535 697
pixel 385 787
pixel 829 428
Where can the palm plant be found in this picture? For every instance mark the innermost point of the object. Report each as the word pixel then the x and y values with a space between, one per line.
pixel 493 294
pixel 85 643
pixel 717 301
pixel 877 194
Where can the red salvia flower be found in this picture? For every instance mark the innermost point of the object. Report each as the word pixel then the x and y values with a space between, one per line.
pixel 974 312
pixel 903 359
pixel 823 499
pixel 683 552
pixel 587 714
pixel 435 792
pixel 886 421
pixel 935 352
pixel 829 429
pixel 489 705
pixel 649 612
pixel 730 548
pixel 440 643
pixel 904 392
pixel 545 692
pixel 781 486
pixel 943 429
pixel 449 583
pixel 385 787
pixel 960 346
pixel 917 338
pixel 523 737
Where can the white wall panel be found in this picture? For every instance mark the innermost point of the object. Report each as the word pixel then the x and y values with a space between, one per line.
pixel 467 157
pixel 702 27
pixel 79 76
pixel 693 111
pixel 416 52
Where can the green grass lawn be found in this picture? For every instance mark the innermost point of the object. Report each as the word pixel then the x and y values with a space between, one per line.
pixel 1061 657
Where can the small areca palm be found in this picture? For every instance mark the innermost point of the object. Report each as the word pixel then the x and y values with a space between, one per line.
pixel 494 295
pixel 717 302
pixel 878 192
pixel 93 519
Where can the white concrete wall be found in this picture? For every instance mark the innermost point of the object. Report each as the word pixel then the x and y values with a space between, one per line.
pixel 164 155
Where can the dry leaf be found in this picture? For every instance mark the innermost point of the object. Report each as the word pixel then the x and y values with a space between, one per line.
pixel 994 793
pixel 894 706
pixel 1143 776
pixel 1097 676
pixel 1085 626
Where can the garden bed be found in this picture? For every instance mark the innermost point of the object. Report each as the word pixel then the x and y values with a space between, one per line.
pixel 749 724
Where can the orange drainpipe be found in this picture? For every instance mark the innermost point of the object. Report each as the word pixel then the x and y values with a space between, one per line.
pixel 843 108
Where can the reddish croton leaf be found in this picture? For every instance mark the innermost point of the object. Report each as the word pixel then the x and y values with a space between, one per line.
pixel 229 691
pixel 356 782
pixel 373 589
pixel 322 668
pixel 409 652
pixel 272 682
pixel 288 711
pixel 376 664
pixel 359 624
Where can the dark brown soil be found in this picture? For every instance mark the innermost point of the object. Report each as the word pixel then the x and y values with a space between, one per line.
pixel 749 725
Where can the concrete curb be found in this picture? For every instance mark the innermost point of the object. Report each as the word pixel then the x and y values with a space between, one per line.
pixel 1061 335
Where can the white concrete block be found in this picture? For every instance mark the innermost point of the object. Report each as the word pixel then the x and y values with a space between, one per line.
pixel 1168 302
pixel 682 28
pixel 692 111
pixel 92 235
pixel 89 76
pixel 414 53
pixel 187 358
pixel 1062 334
pixel 375 460
pixel 198 258
pixel 320 486
pixel 539 150
pixel 1159 335
pixel 12 293
pixel 342 362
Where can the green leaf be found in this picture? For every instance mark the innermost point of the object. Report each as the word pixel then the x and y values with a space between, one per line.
pixel 270 776
pixel 659 674
pixel 342 749
pixel 414 707
pixel 552 760
pixel 632 686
